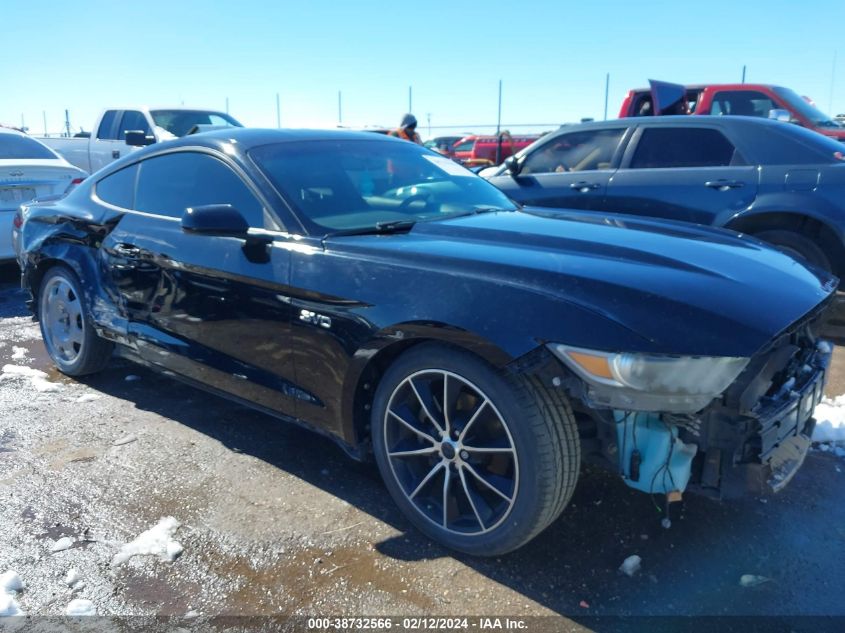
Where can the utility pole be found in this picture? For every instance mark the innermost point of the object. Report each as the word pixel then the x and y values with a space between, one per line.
pixel 23 125
pixel 278 112
pixel 339 109
pixel 606 92
pixel 227 105
pixel 499 118
pixel 410 100
pixel 44 114
pixel 743 73
pixel 67 123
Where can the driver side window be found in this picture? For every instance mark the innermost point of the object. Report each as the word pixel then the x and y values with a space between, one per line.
pixel 575 151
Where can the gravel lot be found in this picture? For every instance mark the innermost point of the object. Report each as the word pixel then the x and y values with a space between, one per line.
pixel 276 520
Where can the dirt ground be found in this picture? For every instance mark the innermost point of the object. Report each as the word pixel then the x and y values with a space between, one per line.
pixel 276 520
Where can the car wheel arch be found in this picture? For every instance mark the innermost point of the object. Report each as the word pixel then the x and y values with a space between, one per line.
pixel 373 359
pixel 82 261
pixel 36 273
pixel 807 225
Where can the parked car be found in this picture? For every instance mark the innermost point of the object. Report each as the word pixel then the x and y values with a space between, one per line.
pixel 110 140
pixel 781 183
pixel 28 170
pixel 759 100
pixel 485 151
pixel 387 297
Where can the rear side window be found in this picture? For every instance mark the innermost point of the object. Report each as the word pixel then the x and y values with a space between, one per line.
pixel 119 188
pixel 742 103
pixel 19 146
pixel 106 129
pixel 131 121
pixel 576 151
pixel 169 184
pixel 684 147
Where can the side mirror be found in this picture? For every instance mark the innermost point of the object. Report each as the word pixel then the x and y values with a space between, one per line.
pixel 780 115
pixel 215 219
pixel 137 138
pixel 512 165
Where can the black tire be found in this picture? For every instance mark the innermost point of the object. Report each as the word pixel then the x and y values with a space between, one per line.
pixel 797 246
pixel 69 337
pixel 535 477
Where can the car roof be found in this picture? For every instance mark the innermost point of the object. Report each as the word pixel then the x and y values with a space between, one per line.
pixel 719 86
pixel 180 108
pixel 678 120
pixel 247 138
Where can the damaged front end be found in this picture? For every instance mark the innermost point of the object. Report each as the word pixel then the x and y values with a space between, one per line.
pixel 719 426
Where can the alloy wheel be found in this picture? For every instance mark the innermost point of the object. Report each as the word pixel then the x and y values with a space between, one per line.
pixel 451 452
pixel 64 325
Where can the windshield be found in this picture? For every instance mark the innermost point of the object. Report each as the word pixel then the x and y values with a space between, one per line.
pixel 800 105
pixel 181 122
pixel 355 184
pixel 18 146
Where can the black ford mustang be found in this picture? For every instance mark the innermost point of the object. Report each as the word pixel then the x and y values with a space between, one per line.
pixel 379 293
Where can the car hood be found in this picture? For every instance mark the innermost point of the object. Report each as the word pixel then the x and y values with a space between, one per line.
pixel 680 288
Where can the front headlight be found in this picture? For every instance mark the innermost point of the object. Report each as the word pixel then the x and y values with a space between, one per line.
pixel 645 382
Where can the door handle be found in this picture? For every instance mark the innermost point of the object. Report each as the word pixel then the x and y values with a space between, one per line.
pixel 724 185
pixel 583 186
pixel 115 153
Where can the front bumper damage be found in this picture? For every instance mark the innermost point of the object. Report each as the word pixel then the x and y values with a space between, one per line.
pixel 762 448
pixel 723 452
pixel 751 440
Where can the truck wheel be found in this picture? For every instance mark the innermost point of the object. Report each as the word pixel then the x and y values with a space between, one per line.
pixel 480 461
pixel 66 328
pixel 797 246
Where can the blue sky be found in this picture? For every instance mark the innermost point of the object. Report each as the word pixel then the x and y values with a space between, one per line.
pixel 551 56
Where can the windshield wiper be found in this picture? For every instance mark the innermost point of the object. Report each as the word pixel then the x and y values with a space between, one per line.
pixel 476 211
pixel 380 228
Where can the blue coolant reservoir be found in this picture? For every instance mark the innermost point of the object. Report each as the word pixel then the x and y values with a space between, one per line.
pixel 663 461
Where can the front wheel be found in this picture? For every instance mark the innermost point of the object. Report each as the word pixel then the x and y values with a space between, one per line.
pixel 66 328
pixel 479 461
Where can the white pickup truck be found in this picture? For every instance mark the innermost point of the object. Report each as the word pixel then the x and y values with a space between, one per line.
pixel 108 141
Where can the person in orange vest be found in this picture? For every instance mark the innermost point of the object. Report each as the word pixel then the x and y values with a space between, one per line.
pixel 407 129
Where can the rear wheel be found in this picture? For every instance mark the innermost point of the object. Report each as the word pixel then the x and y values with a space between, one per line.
pixel 797 246
pixel 477 460
pixel 67 331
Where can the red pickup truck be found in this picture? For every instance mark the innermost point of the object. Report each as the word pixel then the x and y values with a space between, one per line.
pixel 474 151
pixel 762 100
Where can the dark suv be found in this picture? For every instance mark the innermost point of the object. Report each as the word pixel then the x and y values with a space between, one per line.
pixel 780 182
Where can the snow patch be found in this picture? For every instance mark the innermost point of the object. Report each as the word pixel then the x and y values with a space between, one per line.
pixel 62 544
pixel 88 397
pixel 830 420
pixel 37 378
pixel 631 565
pixel 18 353
pixel 73 576
pixel 80 606
pixel 10 583
pixel 8 606
pixel 157 541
